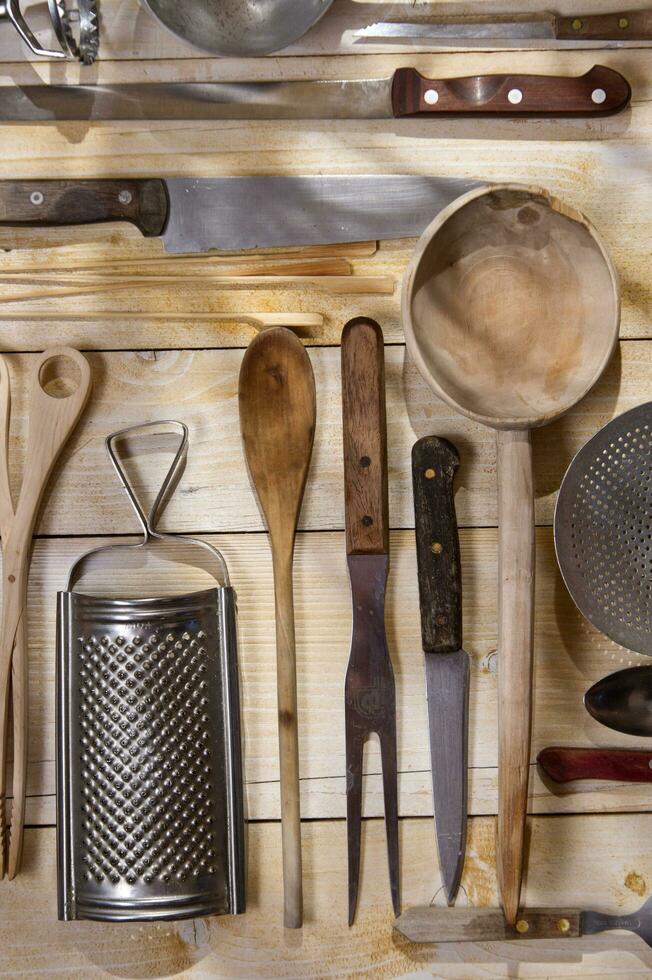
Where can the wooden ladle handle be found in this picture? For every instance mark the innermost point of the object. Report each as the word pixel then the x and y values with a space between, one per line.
pixel 515 643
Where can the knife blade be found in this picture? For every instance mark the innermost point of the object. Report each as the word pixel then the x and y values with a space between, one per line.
pixel 427 924
pixel 564 765
pixel 238 213
pixel 635 25
pixel 434 462
pixel 406 93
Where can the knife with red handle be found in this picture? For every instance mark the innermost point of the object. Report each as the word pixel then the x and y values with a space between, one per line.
pixel 406 93
pixel 620 765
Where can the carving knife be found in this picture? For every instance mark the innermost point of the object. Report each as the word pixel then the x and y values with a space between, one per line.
pixel 434 462
pixel 405 93
pixel 369 691
pixel 235 213
pixel 634 25
pixel 427 924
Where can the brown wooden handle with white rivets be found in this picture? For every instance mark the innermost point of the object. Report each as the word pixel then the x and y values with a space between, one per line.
pixel 625 25
pixel 600 91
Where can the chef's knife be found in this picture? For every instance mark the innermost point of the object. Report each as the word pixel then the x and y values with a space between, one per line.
pixel 427 924
pixel 434 462
pixel 564 765
pixel 634 25
pixel 406 93
pixel 234 213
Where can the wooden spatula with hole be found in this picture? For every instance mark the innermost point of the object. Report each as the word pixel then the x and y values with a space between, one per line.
pixel 277 421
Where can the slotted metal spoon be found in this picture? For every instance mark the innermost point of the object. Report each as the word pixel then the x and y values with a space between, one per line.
pixel 603 538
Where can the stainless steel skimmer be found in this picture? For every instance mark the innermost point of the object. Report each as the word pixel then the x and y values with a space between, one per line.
pixel 149 772
pixel 603 529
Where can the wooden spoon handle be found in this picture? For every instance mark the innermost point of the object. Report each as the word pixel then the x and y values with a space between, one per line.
pixel 288 740
pixel 515 642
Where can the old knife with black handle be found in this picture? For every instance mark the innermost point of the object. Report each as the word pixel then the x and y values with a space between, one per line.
pixel 434 462
pixel 406 93
pixel 428 924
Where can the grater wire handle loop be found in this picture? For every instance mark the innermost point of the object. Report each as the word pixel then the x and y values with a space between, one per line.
pixel 148 521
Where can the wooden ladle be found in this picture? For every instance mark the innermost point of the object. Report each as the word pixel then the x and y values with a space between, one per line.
pixel 277 420
pixel 511 311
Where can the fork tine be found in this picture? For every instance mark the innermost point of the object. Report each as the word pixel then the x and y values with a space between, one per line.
pixel 354 747
pixel 390 794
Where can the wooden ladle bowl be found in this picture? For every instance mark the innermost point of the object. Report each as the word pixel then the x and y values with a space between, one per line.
pixel 511 311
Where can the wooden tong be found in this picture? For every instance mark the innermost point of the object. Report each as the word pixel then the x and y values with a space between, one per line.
pixel 54 409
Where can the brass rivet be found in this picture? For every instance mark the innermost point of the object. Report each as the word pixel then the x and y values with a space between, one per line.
pixel 522 926
pixel 367 520
pixel 436 548
pixel 623 23
pixel 577 24
pixel 563 925
pixel 430 474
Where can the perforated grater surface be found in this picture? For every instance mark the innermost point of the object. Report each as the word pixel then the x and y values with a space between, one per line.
pixel 149 788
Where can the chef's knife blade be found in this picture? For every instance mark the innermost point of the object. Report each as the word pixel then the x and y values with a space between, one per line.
pixel 405 93
pixel 434 462
pixel 634 25
pixel 427 924
pixel 235 213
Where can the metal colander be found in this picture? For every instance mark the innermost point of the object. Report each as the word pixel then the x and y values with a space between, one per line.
pixel 603 529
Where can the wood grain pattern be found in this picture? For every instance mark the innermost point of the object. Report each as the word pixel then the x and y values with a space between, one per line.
pixel 588 854
pixel 539 95
pixel 277 401
pixel 565 765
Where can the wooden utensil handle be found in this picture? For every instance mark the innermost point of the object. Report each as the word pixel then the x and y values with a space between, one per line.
pixel 599 91
pixel 365 438
pixel 621 765
pixel 288 738
pixel 632 25
pixel 515 641
pixel 434 462
pixel 143 203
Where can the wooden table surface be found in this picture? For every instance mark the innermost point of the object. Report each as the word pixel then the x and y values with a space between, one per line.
pixel 165 338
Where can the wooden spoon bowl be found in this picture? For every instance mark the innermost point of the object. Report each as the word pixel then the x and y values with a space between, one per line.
pixel 511 312
pixel 510 306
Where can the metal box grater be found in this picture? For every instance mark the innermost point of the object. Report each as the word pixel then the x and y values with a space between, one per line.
pixel 150 820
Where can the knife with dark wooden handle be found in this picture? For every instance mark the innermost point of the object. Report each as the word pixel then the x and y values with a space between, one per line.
pixel 428 924
pixel 405 93
pixel 434 462
pixel 563 765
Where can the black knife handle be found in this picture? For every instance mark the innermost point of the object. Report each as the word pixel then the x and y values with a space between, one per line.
pixel 143 203
pixel 599 91
pixel 434 462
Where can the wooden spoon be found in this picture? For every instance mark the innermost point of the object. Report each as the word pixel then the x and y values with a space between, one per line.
pixel 277 420
pixel 511 311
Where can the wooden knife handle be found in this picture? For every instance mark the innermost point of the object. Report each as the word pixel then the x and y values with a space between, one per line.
pixel 365 438
pixel 620 765
pixel 434 462
pixel 599 91
pixel 626 25
pixel 143 203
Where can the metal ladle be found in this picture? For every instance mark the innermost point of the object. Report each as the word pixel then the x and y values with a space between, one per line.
pixel 239 28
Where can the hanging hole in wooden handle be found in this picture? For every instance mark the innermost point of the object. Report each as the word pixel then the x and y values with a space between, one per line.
pixel 59 376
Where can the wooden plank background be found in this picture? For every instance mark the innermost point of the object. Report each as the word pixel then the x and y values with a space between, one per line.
pixel 165 337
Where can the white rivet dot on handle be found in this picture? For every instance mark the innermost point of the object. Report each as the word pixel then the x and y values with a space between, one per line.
pixel 515 96
pixel 36 197
pixel 124 197
pixel 431 97
pixel 598 95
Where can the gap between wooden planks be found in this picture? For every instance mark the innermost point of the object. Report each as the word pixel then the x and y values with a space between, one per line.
pixel 574 861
